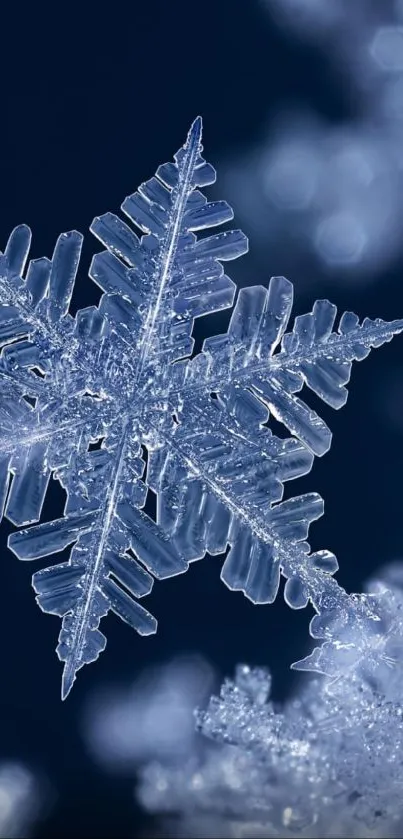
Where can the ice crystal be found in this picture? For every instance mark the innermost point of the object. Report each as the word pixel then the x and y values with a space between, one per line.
pixel 122 373
pixel 327 763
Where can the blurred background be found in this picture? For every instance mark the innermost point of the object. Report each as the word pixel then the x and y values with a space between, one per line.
pixel 302 103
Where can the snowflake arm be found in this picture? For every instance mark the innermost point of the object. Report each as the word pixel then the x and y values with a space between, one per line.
pixel 311 354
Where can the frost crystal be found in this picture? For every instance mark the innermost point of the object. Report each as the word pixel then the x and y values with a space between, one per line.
pixel 329 763
pixel 122 373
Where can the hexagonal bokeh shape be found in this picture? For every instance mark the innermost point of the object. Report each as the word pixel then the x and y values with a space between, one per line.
pixel 386 48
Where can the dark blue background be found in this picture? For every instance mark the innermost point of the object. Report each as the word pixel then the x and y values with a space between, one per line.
pixel 92 102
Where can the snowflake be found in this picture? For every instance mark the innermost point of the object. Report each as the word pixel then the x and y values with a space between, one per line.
pixel 86 398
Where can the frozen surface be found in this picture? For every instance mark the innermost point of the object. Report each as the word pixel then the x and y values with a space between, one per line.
pixel 327 763
pixel 84 399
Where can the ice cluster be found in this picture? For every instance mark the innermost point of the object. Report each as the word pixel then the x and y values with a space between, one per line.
pixel 328 763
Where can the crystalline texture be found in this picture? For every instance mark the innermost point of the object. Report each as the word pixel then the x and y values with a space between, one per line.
pixel 328 762
pixel 121 372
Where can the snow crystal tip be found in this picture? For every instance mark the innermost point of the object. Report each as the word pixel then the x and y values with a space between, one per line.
pixel 68 679
pixel 195 132
pixel 397 326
